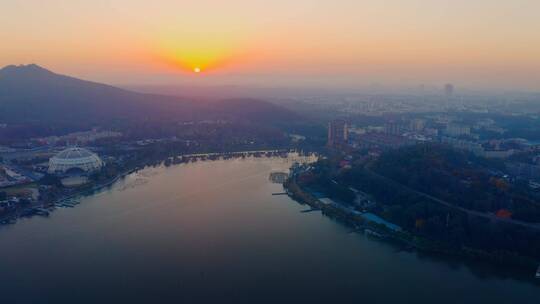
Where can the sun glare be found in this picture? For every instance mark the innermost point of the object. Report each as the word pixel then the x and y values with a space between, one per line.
pixel 198 56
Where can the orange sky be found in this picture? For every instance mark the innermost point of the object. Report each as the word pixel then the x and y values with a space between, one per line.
pixel 492 43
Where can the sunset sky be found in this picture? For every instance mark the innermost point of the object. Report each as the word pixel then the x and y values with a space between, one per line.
pixel 340 43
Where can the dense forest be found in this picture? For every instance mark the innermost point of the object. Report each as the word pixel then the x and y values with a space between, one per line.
pixel 398 179
pixel 460 179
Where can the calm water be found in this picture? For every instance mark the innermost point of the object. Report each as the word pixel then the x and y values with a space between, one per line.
pixel 212 232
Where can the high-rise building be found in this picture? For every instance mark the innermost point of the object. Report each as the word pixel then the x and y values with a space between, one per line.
pixel 338 132
pixel 448 90
pixel 394 128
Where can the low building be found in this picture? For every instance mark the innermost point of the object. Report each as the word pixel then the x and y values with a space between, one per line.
pixel 524 170
pixel 461 144
pixel 383 141
pixel 477 148
pixel 498 153
pixel 373 218
pixel 417 125
pixel 457 130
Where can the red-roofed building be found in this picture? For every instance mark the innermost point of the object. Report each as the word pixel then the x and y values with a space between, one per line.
pixel 504 213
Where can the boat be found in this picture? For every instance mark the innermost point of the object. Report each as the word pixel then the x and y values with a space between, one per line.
pixel 369 232
pixel 538 273
pixel 8 221
pixel 41 211
pixel 67 203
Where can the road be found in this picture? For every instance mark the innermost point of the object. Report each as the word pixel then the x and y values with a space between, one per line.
pixel 488 216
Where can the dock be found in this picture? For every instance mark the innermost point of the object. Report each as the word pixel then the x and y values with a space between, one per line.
pixel 310 210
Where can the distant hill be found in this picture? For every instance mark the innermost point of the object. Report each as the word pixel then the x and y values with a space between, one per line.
pixel 254 110
pixel 30 93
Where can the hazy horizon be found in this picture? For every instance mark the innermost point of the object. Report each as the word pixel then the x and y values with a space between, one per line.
pixel 331 45
pixel 255 151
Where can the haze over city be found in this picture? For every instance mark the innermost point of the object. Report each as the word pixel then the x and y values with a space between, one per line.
pixel 307 151
pixel 335 44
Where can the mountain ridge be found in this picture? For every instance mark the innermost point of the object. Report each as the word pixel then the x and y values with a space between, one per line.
pixel 33 93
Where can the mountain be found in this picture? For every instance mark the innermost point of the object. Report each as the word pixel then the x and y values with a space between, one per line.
pixel 30 93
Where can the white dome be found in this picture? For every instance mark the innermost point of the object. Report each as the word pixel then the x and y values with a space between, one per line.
pixel 74 158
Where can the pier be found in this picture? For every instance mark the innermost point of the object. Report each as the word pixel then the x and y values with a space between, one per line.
pixel 310 210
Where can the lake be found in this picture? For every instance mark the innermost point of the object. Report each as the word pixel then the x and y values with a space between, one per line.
pixel 211 231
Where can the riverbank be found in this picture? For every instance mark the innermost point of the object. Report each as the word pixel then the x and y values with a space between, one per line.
pixel 202 230
pixel 88 189
pixel 405 238
pixel 93 187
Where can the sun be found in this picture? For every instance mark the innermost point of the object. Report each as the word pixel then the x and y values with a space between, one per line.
pixel 197 70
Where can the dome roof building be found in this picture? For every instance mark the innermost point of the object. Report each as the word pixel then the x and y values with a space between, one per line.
pixel 74 159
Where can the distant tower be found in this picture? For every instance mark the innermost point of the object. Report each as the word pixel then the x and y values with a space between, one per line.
pixel 448 90
pixel 338 132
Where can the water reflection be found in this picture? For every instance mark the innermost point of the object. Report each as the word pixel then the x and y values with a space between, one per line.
pixel 211 231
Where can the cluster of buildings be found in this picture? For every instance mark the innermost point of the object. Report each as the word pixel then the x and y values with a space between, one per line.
pixel 19 195
pixel 83 137
pixel 488 149
pixel 360 208
pixel 8 204
pixel 529 171
pixel 10 177
pixel 443 129
pixel 399 133
pixel 68 163
pixel 388 137
pixel 381 141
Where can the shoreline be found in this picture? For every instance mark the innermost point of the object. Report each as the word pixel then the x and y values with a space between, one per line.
pixel 90 189
pixel 407 239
